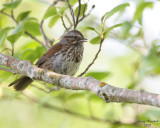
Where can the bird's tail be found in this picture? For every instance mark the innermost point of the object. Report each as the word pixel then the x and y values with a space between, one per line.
pixel 21 83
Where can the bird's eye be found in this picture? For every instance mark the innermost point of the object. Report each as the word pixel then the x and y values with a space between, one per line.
pixel 75 37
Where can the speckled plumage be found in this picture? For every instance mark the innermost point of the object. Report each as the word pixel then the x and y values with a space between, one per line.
pixel 64 58
pixel 66 61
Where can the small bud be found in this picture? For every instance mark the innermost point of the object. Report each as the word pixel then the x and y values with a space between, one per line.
pixel 93 6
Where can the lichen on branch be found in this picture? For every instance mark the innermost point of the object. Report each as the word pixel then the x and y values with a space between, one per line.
pixel 106 92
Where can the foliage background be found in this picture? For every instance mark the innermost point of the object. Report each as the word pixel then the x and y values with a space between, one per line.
pixel 129 59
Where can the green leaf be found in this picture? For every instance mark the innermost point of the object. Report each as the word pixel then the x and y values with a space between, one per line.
pixel 32 53
pixel 95 40
pixel 82 9
pixel 131 85
pixel 13 4
pixel 23 15
pixel 108 30
pixel 3 34
pixel 29 55
pixel 98 75
pixel 5 76
pixel 150 63
pixel 61 11
pixel 3 9
pixel 107 15
pixel 93 29
pixel 126 27
pixel 139 10
pixel 90 28
pixel 32 27
pixel 31 45
pixel 40 50
pixel 18 28
pixel 53 20
pixel 14 37
pixel 17 32
pixel 73 2
pixel 50 12
pixel 152 115
pixel 30 18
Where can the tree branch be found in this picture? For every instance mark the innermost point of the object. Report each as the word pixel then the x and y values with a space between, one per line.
pixel 106 92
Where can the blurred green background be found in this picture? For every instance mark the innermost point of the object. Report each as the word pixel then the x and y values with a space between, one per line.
pixel 129 59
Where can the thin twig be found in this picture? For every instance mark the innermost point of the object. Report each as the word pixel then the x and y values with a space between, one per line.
pixel 12 16
pixel 85 15
pixel 43 90
pixel 34 38
pixel 96 56
pixel 70 26
pixel 30 35
pixel 44 35
pixel 46 39
pixel 6 14
pixel 78 14
pixel 68 19
pixel 48 88
pixel 55 88
pixel 8 70
pixel 64 23
pixel 85 5
pixel 72 13
pixel 12 44
pixel 64 110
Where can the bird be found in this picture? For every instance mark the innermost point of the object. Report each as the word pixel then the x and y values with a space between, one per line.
pixel 64 58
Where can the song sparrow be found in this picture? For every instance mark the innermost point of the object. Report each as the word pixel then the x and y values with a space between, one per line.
pixel 64 58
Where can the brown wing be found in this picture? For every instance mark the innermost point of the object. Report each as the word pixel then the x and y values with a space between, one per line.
pixel 56 48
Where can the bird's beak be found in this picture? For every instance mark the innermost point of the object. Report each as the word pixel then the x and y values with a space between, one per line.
pixel 83 40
